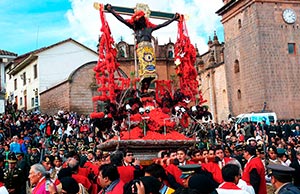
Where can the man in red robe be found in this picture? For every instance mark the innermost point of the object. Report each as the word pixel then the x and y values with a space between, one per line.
pixel 254 171
pixel 109 180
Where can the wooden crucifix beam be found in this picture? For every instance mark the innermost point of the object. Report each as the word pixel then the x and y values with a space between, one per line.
pixel 130 11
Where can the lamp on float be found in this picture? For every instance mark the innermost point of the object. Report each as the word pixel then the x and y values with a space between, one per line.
pixel 141 110
pixel 194 108
pixel 182 110
pixel 147 110
pixel 128 109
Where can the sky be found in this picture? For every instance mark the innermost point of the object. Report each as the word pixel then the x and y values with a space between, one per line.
pixel 32 24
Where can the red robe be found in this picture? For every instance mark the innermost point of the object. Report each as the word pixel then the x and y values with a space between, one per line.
pixel 126 173
pixel 118 189
pixel 83 171
pixel 256 163
pixel 91 167
pixel 226 160
pixel 83 180
pixel 175 171
pixel 214 169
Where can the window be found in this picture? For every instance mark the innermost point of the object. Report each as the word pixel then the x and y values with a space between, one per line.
pixel 239 23
pixel 15 84
pixel 35 71
pixel 21 101
pixel 10 76
pixel 32 102
pixel 36 101
pixel 291 48
pixel 170 53
pixel 24 78
pixel 239 94
pixel 122 51
pixel 236 66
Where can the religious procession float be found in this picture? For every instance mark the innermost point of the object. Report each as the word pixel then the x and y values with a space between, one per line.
pixel 129 114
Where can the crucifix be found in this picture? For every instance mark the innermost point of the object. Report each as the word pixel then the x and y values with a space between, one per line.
pixel 143 28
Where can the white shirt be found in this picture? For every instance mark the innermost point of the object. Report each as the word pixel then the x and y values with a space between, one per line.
pixel 232 190
pixel 3 190
pixel 243 185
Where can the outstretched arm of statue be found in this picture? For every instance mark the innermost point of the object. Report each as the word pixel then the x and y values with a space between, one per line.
pixel 110 9
pixel 176 17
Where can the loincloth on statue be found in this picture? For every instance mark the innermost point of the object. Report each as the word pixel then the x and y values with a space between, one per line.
pixel 146 60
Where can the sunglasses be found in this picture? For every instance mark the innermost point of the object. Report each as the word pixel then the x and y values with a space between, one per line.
pixel 129 154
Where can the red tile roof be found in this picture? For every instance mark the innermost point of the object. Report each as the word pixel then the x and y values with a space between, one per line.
pixel 21 58
pixel 7 53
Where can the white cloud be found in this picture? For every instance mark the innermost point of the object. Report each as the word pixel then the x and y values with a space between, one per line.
pixel 85 20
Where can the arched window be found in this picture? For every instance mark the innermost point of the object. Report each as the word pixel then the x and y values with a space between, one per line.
pixel 170 52
pixel 239 94
pixel 236 66
pixel 239 23
pixel 122 50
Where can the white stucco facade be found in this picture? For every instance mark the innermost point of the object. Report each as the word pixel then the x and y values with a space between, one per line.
pixel 57 63
pixel 43 69
pixel 5 57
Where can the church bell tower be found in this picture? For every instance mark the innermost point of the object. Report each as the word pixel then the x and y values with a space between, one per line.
pixel 262 56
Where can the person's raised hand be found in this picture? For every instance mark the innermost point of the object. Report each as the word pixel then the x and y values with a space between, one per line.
pixel 108 7
pixel 140 187
pixel 177 16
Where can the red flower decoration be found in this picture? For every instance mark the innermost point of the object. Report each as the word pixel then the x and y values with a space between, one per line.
pixel 97 115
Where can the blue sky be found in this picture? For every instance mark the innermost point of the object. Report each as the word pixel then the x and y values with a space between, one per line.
pixel 28 25
pixel 31 24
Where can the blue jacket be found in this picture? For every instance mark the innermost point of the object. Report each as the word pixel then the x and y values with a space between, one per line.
pixel 15 147
pixel 289 189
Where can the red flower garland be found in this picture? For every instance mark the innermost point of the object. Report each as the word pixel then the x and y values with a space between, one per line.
pixel 95 115
pixel 106 66
pixel 185 57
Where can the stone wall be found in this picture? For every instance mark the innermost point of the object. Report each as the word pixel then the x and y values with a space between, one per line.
pixel 81 92
pixel 56 98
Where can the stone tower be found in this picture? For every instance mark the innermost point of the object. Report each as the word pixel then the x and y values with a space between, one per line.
pixel 262 56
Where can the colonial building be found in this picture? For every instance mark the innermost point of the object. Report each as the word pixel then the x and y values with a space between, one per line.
pixel 32 73
pixel 165 68
pixel 262 56
pixel 5 58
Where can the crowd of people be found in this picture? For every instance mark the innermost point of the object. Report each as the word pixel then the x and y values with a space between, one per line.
pixel 61 154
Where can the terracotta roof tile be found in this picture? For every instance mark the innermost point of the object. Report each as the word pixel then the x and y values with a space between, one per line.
pixel 20 58
pixel 3 52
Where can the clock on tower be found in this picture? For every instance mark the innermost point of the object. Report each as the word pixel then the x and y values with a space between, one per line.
pixel 289 16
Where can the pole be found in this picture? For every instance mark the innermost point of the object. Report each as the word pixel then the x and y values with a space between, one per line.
pixel 135 58
pixel 129 124
pixel 165 128
pixel 144 127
